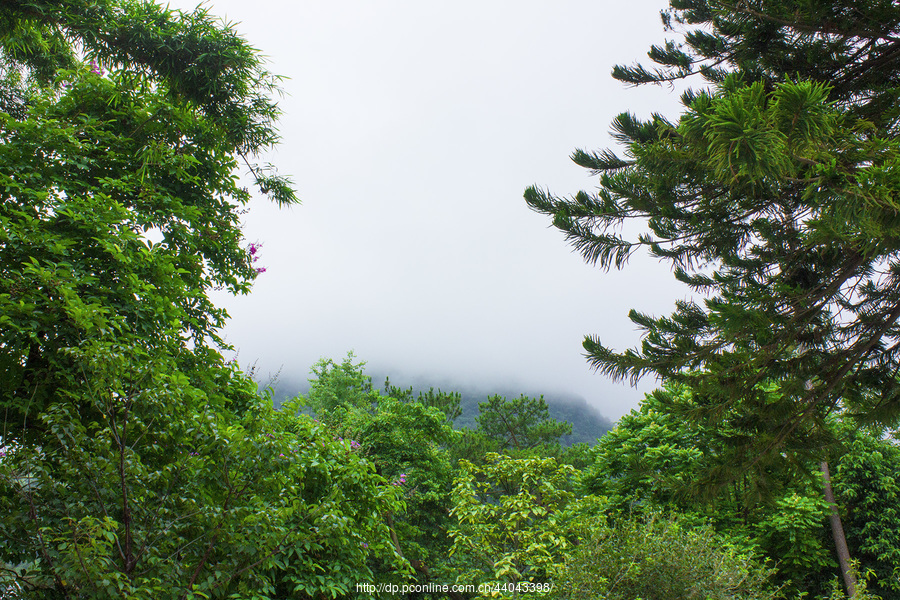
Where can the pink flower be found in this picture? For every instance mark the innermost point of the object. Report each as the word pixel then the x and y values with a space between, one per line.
pixel 253 249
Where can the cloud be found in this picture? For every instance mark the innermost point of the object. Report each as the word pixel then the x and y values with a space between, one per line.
pixel 412 129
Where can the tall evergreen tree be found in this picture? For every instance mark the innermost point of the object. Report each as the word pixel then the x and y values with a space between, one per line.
pixel 521 425
pixel 774 197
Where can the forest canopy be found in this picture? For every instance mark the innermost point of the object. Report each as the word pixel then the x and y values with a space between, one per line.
pixel 137 462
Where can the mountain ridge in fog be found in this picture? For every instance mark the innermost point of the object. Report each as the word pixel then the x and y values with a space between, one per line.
pixel 588 424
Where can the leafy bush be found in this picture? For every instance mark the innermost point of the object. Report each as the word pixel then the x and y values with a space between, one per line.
pixel 511 519
pixel 661 559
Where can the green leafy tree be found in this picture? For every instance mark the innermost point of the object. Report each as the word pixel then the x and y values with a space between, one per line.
pixel 406 438
pixel 521 531
pixel 651 459
pixel 136 462
pixel 868 485
pixel 97 161
pixel 655 461
pixel 157 499
pixel 511 520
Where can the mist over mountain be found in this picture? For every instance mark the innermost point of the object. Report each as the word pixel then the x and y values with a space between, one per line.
pixel 588 424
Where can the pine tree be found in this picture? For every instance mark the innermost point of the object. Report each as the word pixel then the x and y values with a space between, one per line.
pixel 774 196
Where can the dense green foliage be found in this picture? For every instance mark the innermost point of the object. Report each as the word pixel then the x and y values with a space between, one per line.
pixel 653 462
pixel 405 438
pixel 135 462
pixel 509 515
pixel 513 523
pixel 868 482
pixel 265 505
pixel 656 461
pixel 661 558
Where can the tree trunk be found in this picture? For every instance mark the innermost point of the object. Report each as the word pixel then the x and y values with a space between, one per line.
pixel 837 532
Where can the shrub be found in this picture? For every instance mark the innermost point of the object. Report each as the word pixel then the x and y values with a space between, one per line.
pixel 661 558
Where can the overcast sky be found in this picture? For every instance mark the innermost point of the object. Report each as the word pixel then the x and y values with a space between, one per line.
pixel 411 129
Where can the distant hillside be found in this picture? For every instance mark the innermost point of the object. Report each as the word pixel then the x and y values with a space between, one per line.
pixel 587 423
